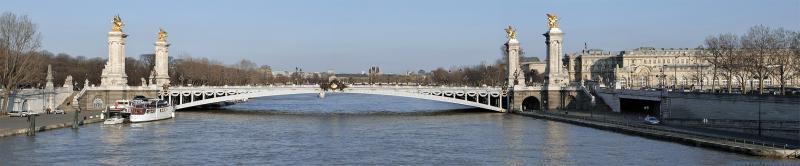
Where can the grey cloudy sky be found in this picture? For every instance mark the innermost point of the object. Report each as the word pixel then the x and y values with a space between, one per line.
pixel 350 36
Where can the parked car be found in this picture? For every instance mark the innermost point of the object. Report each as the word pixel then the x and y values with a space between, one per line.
pixel 17 114
pixel 22 114
pixel 139 98
pixel 59 111
pixel 651 120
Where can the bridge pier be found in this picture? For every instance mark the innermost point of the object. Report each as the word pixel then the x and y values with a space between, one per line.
pixel 538 99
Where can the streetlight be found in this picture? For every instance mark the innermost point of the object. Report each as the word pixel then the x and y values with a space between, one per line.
pixel 675 75
pixel 630 79
pixel 44 102
pixel 504 88
pixel 699 73
pixel 663 77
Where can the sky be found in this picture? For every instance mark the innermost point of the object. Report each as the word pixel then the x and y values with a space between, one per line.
pixel 349 36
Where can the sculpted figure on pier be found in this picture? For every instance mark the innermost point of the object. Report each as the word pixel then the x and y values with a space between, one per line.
pixel 511 33
pixel 117 24
pixel 552 20
pixel 162 35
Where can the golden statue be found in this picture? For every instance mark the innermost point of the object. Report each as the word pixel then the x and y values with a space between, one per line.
pixel 552 20
pixel 117 24
pixel 162 35
pixel 512 34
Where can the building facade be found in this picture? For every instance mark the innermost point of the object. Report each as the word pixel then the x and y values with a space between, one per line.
pixel 648 67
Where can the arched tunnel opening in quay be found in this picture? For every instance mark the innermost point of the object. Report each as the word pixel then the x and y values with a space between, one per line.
pixel 531 103
pixel 640 107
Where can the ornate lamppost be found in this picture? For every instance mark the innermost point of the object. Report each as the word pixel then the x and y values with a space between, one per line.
pixel 675 75
pixel 504 88
pixel 663 78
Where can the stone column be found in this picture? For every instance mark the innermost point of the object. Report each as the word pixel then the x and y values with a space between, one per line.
pixel 555 72
pixel 49 84
pixel 49 90
pixel 514 70
pixel 68 83
pixel 114 71
pixel 162 63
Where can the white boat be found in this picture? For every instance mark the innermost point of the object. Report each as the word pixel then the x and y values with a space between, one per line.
pixel 116 113
pixel 151 110
pixel 122 106
pixel 114 120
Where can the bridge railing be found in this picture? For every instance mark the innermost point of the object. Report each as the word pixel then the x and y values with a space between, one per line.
pixel 349 86
pixel 484 95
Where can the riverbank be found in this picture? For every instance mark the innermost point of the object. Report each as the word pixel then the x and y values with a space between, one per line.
pixel 11 126
pixel 687 137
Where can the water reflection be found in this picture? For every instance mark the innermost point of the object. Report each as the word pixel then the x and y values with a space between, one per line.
pixel 113 138
pixel 514 137
pixel 556 151
pixel 161 139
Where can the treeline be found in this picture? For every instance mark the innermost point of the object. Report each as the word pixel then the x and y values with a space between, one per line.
pixel 202 71
pixel 475 75
pixel 760 53
pixel 187 70
pixel 183 71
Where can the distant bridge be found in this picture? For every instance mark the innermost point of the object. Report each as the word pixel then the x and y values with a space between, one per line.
pixel 490 98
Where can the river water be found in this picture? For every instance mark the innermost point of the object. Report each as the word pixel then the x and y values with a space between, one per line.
pixel 350 129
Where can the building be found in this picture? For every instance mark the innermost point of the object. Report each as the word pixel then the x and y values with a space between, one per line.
pixel 375 70
pixel 535 68
pixel 648 67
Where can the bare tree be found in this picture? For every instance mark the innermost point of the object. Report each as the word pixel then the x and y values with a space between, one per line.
pixel 19 42
pixel 740 65
pixel 781 58
pixel 720 52
pixel 795 47
pixel 759 46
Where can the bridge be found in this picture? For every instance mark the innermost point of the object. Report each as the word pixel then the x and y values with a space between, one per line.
pixel 489 98
pixel 557 91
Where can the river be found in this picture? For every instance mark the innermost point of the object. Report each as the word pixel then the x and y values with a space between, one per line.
pixel 350 129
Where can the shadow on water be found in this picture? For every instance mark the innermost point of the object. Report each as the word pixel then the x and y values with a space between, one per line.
pixel 341 104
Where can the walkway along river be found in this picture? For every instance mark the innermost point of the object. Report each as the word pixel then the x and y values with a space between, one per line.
pixel 352 130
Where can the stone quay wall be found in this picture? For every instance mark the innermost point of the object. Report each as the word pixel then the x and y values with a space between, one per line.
pixel 731 107
pixel 94 100
pixel 772 116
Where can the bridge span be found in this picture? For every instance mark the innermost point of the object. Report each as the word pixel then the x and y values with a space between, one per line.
pixel 490 98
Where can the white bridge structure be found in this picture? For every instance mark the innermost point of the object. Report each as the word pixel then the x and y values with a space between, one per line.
pixel 490 98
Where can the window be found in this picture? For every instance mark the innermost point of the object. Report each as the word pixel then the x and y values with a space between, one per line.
pixel 642 81
pixel 98 104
